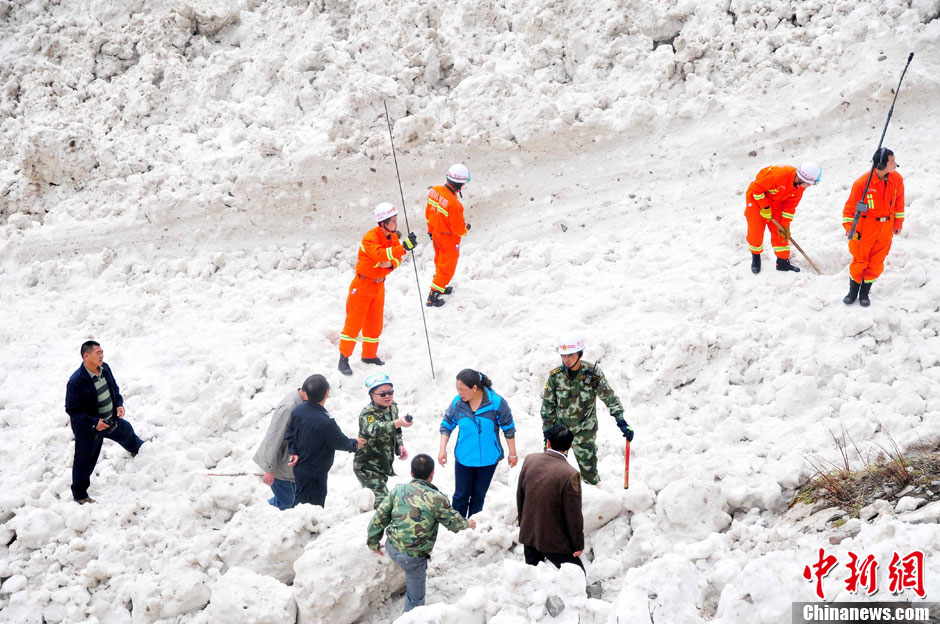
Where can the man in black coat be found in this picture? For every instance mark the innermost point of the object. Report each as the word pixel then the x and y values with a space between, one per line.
pixel 312 439
pixel 95 407
pixel 548 500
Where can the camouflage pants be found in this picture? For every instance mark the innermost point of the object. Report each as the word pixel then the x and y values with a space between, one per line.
pixel 585 453
pixel 375 481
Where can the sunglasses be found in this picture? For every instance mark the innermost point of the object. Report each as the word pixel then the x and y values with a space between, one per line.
pixel 384 394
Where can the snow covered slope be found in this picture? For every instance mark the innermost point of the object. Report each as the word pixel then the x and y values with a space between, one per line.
pixel 187 182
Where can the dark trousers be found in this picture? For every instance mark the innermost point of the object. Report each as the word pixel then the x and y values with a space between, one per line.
pixel 470 486
pixel 87 449
pixel 534 556
pixel 311 488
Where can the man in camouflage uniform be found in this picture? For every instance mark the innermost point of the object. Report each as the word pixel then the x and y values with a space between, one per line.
pixel 380 426
pixel 412 513
pixel 569 399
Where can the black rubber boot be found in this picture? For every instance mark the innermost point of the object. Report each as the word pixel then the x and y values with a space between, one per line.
pixel 344 365
pixel 448 290
pixel 863 299
pixel 850 298
pixel 435 300
pixel 374 360
pixel 783 264
pixel 755 263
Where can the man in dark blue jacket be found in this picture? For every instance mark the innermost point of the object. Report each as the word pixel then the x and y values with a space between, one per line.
pixel 312 439
pixel 95 407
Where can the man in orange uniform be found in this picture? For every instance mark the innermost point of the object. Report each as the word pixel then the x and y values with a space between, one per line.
pixel 876 227
pixel 380 253
pixel 444 213
pixel 775 194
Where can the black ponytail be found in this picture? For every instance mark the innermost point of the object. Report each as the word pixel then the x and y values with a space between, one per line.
pixel 471 378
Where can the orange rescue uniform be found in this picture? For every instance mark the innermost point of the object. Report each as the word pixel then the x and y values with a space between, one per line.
pixel 872 241
pixel 445 221
pixel 365 303
pixel 771 194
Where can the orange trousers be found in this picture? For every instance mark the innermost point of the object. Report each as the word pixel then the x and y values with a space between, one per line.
pixel 365 307
pixel 870 249
pixel 446 254
pixel 755 231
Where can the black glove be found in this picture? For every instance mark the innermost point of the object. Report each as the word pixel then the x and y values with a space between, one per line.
pixel 626 430
pixel 410 242
pixel 468 227
pixel 431 236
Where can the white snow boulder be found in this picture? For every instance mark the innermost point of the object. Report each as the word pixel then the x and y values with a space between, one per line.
pixel 666 588
pixel 36 527
pixel 693 507
pixel 173 592
pixel 265 540
pixel 598 507
pixel 338 577
pixel 245 597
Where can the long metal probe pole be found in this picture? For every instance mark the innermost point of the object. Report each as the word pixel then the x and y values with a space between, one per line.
pixel 408 227
pixel 862 206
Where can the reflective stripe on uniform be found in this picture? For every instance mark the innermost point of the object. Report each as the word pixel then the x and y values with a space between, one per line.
pixel 784 248
pixel 899 215
pixel 765 213
pixel 788 215
pixel 847 219
pixel 761 196
pixel 755 249
pixel 373 340
pixel 436 287
pixel 343 337
pixel 772 191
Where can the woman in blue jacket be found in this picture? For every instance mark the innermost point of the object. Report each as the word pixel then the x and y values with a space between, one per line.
pixel 479 413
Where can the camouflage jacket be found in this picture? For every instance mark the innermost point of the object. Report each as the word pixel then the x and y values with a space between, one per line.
pixel 572 401
pixel 412 512
pixel 382 439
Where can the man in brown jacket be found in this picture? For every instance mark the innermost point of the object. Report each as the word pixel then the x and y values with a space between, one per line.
pixel 549 503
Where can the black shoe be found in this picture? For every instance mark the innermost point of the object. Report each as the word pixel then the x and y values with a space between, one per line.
pixel 374 360
pixel 783 264
pixel 448 290
pixel 755 263
pixel 434 300
pixel 344 365
pixel 863 299
pixel 850 298
pixel 85 501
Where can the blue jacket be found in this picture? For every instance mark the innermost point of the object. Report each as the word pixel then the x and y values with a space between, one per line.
pixel 314 436
pixel 478 441
pixel 81 400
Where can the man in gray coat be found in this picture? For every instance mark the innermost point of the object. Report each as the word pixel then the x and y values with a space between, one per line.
pixel 272 455
pixel 549 503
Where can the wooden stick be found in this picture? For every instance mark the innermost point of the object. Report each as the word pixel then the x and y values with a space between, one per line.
pixel 231 474
pixel 798 248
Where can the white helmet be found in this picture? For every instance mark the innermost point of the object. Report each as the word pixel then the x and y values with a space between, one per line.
pixel 377 379
pixel 385 211
pixel 458 174
pixel 809 173
pixel 569 345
